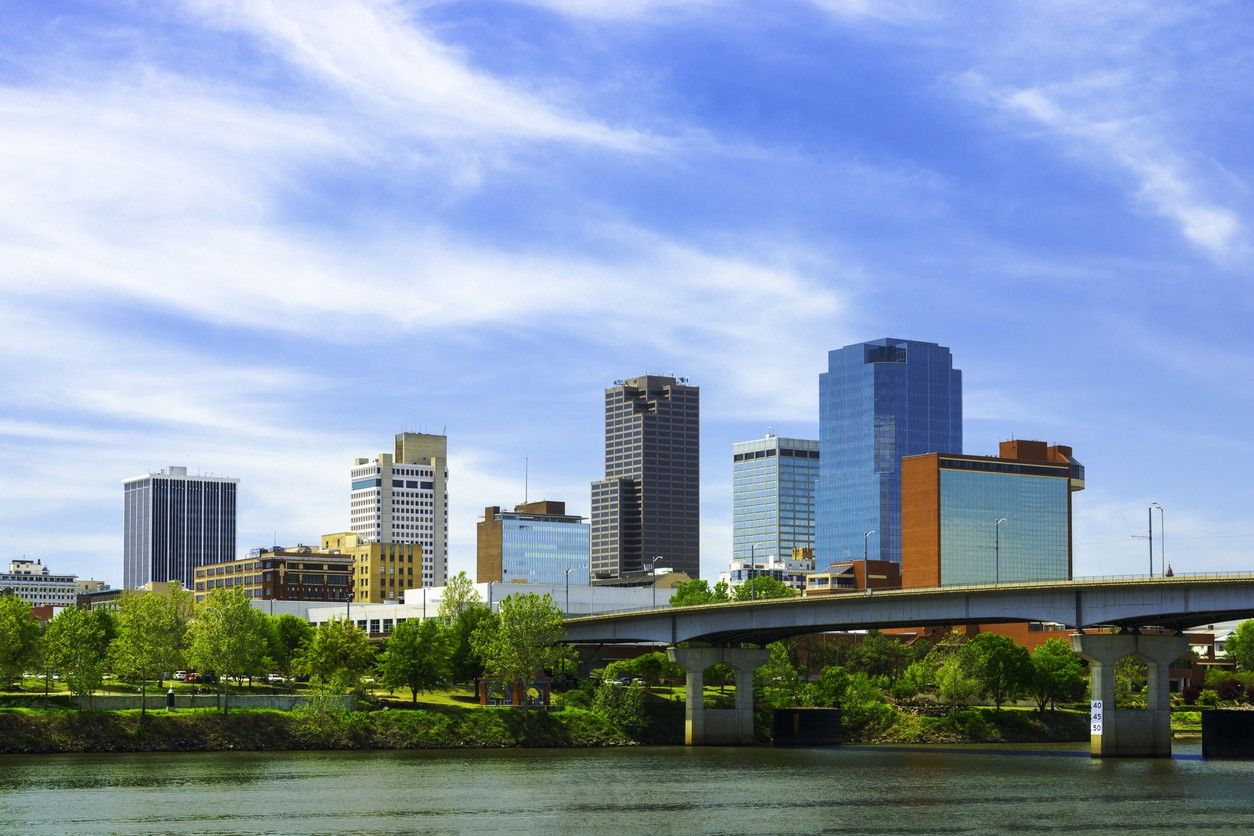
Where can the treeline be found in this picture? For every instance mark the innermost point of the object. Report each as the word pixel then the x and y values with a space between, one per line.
pixel 150 635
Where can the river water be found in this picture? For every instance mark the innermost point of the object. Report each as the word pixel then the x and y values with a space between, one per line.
pixel 1036 789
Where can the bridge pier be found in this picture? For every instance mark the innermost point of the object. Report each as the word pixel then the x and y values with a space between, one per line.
pixel 718 726
pixel 1130 732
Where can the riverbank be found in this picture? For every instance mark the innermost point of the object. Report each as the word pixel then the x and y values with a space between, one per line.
pixel 980 725
pixel 31 732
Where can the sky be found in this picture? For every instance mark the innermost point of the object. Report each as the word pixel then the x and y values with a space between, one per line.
pixel 259 238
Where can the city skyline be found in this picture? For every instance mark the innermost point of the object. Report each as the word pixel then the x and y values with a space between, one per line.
pixel 258 241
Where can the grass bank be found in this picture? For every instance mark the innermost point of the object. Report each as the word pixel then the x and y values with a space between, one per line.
pixel 979 725
pixel 40 731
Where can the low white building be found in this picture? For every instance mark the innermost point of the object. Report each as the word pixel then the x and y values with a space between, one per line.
pixel 789 570
pixel 578 599
pixel 32 581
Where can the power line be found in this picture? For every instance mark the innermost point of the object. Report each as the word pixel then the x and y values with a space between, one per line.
pixel 1209 537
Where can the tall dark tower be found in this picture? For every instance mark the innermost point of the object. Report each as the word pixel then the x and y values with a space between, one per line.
pixel 648 504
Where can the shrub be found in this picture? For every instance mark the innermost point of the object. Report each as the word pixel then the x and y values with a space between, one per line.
pixel 623 707
pixel 1208 698
pixel 1189 694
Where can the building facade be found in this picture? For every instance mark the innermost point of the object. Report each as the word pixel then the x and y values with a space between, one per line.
pixel 301 573
pixel 381 571
pixel 648 504
pixel 951 505
pixel 878 401
pixel 791 570
pixel 401 498
pixel 35 583
pixel 773 497
pixel 173 523
pixel 537 542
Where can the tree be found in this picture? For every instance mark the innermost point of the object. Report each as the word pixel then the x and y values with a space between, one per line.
pixel 460 595
pixel 830 689
pixel 467 663
pixel 1056 674
pixel 338 654
pixel 763 589
pixel 287 637
pixel 779 678
pixel 956 686
pixel 697 592
pixel 878 655
pixel 1239 647
pixel 76 645
pixel 1003 668
pixel 230 637
pixel 19 637
pixel 152 629
pixel 417 656
pixel 521 643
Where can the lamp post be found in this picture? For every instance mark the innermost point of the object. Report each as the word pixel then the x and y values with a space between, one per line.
pixel 997 551
pixel 1149 512
pixel 865 535
pixel 655 560
pixel 753 562
pixel 1162 540
pixel 568 571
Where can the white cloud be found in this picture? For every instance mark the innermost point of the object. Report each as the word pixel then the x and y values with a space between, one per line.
pixel 380 58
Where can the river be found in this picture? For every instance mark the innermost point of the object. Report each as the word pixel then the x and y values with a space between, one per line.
pixel 1052 789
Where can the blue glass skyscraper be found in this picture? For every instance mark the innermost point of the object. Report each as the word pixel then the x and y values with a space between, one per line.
pixel 878 401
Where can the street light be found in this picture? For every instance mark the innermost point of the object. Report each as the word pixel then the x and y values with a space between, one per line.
pixel 997 551
pixel 1149 513
pixel 568 571
pixel 864 539
pixel 1162 539
pixel 655 560
pixel 753 562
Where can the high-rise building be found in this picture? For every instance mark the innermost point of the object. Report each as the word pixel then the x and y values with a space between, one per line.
pixel 381 571
pixel 537 542
pixel 773 497
pixel 982 519
pixel 878 401
pixel 402 497
pixel 648 504
pixel 173 523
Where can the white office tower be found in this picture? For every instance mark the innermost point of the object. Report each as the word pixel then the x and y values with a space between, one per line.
pixel 173 523
pixel 402 497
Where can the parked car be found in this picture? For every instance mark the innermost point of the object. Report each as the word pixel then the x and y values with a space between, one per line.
pixel 276 678
pixel 180 676
pixel 189 676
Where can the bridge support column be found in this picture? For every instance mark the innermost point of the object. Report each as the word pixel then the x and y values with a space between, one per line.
pixel 725 726
pixel 1129 732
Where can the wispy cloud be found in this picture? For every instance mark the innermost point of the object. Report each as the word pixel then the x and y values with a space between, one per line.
pixel 379 57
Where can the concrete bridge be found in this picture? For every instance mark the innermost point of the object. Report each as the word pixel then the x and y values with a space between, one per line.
pixel 1131 603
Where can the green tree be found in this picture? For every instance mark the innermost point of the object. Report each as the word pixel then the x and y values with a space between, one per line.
pixel 1056 674
pixel 19 638
pixel 417 656
pixel 338 654
pixel 697 592
pixel 1239 647
pixel 288 636
pixel 1003 668
pixel 467 663
pixel 878 655
pixel 460 595
pixel 956 684
pixel 151 636
pixel 779 679
pixel 520 644
pixel 863 706
pixel 230 637
pixel 830 689
pixel 763 589
pixel 76 644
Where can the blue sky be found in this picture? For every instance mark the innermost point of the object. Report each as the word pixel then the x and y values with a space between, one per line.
pixel 259 238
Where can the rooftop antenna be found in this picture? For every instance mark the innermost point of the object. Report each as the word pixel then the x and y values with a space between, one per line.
pixel 526 479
